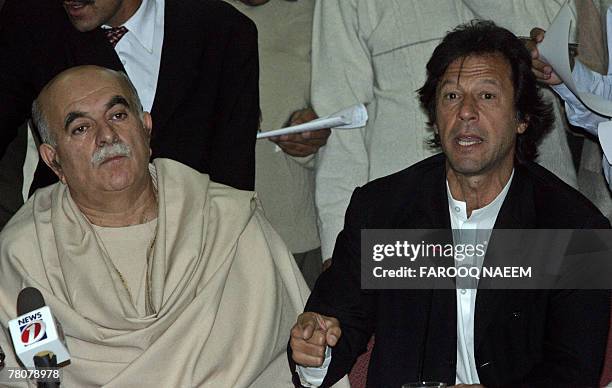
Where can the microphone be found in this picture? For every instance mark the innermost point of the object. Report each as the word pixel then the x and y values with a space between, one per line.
pixel 37 338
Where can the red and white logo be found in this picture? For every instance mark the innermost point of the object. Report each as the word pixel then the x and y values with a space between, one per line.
pixel 33 332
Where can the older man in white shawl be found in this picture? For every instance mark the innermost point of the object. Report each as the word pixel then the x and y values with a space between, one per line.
pixel 159 276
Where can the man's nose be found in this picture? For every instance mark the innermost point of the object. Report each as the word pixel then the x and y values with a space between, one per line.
pixel 106 134
pixel 468 110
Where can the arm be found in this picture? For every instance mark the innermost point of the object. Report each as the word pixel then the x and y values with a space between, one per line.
pixel 585 79
pixel 353 308
pixel 237 108
pixel 16 92
pixel 589 81
pixel 341 76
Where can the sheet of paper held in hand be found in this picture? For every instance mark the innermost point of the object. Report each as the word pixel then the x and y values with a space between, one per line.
pixel 354 116
pixel 554 50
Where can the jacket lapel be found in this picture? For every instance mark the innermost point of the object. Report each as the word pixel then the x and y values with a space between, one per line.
pixel 181 48
pixel 517 212
pixel 441 321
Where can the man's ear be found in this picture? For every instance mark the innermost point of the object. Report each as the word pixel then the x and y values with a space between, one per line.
pixel 522 127
pixel 522 124
pixel 49 156
pixel 147 123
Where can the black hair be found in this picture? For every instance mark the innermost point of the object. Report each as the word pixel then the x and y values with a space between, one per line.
pixel 480 37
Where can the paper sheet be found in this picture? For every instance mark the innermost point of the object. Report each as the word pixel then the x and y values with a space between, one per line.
pixel 354 116
pixel 554 50
pixel 604 132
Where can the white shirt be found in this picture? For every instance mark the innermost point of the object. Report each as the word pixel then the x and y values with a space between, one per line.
pixel 140 49
pixel 587 80
pixel 481 219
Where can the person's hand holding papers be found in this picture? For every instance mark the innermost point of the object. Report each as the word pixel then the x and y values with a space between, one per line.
pixel 302 143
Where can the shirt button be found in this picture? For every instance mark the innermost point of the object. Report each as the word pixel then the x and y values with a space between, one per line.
pixel 457 209
pixel 463 291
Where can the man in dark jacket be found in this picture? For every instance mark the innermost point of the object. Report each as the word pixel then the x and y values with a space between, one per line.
pixel 487 114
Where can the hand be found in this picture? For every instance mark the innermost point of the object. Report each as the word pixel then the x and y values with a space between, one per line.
pixel 310 337
pixel 303 143
pixel 542 70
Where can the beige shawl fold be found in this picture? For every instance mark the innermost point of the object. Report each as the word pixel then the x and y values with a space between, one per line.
pixel 222 289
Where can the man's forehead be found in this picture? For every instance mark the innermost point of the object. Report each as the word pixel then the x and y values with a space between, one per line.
pixel 490 66
pixel 66 95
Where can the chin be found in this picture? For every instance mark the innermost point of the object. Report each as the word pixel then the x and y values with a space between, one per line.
pixel 466 166
pixel 84 25
pixel 119 181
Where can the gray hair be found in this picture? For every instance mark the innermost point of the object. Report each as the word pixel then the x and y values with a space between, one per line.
pixel 39 120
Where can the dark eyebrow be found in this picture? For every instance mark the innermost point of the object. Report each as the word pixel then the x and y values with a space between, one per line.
pixel 117 100
pixel 70 117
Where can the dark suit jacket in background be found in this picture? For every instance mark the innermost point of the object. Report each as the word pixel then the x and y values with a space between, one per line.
pixel 521 337
pixel 206 107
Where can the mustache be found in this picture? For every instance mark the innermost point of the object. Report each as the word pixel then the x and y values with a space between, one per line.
pixel 111 151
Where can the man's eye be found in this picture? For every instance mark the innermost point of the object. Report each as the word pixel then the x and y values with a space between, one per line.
pixel 488 96
pixel 119 116
pixel 79 130
pixel 450 96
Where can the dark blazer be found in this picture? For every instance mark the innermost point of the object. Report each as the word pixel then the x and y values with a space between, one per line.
pixel 522 337
pixel 206 107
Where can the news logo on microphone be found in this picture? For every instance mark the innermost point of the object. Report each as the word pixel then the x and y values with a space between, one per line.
pixel 32 329
pixel 35 332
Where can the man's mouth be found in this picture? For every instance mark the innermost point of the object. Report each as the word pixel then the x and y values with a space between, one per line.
pixel 112 158
pixel 467 141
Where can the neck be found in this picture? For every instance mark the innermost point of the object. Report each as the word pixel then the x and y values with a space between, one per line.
pixel 122 209
pixel 477 191
pixel 127 10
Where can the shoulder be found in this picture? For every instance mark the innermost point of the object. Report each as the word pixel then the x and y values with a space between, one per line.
pixel 557 201
pixel 20 233
pixel 379 202
pixel 405 183
pixel 181 182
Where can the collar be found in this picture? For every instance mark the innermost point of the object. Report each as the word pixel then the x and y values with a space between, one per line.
pixel 489 212
pixel 142 24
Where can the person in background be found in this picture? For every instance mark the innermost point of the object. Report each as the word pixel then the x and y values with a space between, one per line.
pixel 586 80
pixel 284 168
